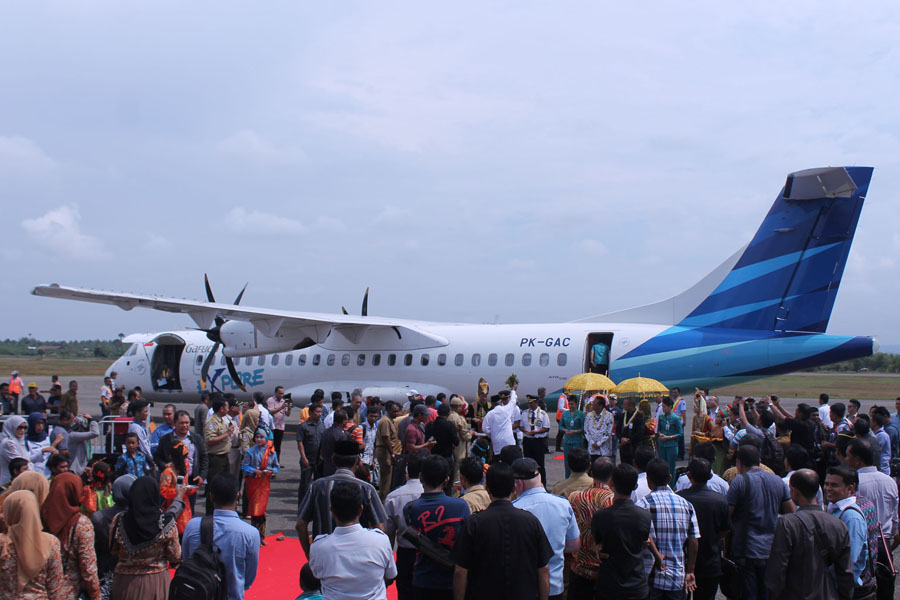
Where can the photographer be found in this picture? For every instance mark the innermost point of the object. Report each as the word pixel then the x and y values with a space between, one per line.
pixel 279 406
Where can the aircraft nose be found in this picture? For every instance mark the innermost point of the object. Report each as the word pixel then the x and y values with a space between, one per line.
pixel 875 345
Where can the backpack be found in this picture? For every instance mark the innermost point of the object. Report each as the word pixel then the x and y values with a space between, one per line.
pixel 772 454
pixel 865 508
pixel 202 576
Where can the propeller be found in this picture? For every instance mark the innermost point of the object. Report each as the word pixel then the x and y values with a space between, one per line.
pixel 215 336
pixel 365 305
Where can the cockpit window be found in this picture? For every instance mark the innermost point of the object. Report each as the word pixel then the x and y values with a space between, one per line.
pixel 133 350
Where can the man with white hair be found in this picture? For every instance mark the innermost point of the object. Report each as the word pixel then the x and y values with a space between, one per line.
pixel 554 513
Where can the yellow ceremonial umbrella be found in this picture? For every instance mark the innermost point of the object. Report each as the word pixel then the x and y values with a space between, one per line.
pixel 640 386
pixel 588 382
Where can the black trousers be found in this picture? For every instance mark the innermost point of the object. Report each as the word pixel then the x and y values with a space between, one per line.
pixel 580 588
pixel 406 560
pixel 218 463
pixel 706 588
pixel 420 593
pixel 885 584
pixel 533 447
pixel 277 436
pixel 559 438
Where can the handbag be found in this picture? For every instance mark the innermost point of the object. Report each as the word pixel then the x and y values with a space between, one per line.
pixel 884 570
pixel 731 583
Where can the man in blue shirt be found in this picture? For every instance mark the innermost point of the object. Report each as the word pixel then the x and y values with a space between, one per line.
pixel 841 484
pixel 554 513
pixel 238 542
pixel 167 426
pixel 438 517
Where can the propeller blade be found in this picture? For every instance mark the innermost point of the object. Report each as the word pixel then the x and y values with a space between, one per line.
pixel 209 294
pixel 204 370
pixel 344 310
pixel 235 376
pixel 365 306
pixel 241 295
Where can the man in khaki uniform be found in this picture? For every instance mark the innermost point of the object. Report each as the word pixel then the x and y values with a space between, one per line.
pixel 217 434
pixel 69 400
pixel 387 446
pixel 458 411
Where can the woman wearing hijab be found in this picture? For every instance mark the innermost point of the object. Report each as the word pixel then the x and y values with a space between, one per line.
pixel 37 441
pixel 102 522
pixel 145 540
pixel 62 517
pixel 30 563
pixel 30 481
pixel 13 445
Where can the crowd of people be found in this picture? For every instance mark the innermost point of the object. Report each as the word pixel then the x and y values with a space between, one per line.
pixel 446 498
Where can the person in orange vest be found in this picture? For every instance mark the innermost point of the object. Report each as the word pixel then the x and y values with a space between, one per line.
pixel 562 405
pixel 15 388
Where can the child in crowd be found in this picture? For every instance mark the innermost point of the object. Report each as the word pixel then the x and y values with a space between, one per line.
pixel 312 587
pixel 260 463
pixel 133 462
pixel 96 490
pixel 168 480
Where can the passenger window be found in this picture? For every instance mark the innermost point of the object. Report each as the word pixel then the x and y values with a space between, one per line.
pixel 274 360
pixel 317 359
pixel 301 360
pixel 407 360
pixel 476 360
pixel 288 360
pixel 199 359
pixel 442 360
pixel 222 361
pixel 526 360
pixel 376 360
pixel 345 360
pixel 458 360
pixel 492 360
pixel 261 361
pixel 424 359
pixel 330 360
pixel 544 359
pixel 392 360
pixel 510 359
pixel 249 361
pixel 561 359
pixel 360 360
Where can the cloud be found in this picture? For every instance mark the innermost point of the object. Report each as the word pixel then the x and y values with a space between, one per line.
pixel 59 232
pixel 20 154
pixel 241 220
pixel 249 146
pixel 157 243
pixel 392 214
pixel 329 224
pixel 592 247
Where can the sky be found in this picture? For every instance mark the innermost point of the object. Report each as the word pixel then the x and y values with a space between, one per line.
pixel 480 162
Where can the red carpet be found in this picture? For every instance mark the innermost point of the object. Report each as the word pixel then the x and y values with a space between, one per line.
pixel 278 575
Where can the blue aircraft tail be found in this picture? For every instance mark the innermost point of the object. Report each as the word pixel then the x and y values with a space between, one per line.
pixel 788 276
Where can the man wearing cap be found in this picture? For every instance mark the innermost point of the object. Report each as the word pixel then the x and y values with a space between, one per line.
pixel 498 425
pixel 315 507
pixel 33 402
pixel 554 513
pixel 15 388
pixel 535 423
pixel 501 552
pixel 414 438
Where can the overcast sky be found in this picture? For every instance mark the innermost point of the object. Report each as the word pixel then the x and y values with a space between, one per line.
pixel 519 162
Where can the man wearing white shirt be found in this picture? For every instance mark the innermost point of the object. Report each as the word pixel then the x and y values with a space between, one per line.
pixel 642 458
pixel 797 458
pixel 352 562
pixel 497 425
pixel 706 451
pixel 825 411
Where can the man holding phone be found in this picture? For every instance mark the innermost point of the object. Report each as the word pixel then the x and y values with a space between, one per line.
pixel 197 457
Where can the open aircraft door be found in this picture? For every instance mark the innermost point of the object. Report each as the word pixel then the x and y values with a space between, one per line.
pixel 597 350
pixel 164 355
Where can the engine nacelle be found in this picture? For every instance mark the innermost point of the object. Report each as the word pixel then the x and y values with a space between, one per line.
pixel 242 338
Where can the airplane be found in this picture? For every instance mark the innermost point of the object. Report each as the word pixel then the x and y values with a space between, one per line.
pixel 762 312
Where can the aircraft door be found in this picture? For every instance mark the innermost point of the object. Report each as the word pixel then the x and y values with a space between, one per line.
pixel 165 362
pixel 596 353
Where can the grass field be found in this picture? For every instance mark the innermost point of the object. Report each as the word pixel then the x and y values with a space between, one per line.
pixel 54 366
pixel 810 385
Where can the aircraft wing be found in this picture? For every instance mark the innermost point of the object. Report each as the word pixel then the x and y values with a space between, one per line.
pixel 269 322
